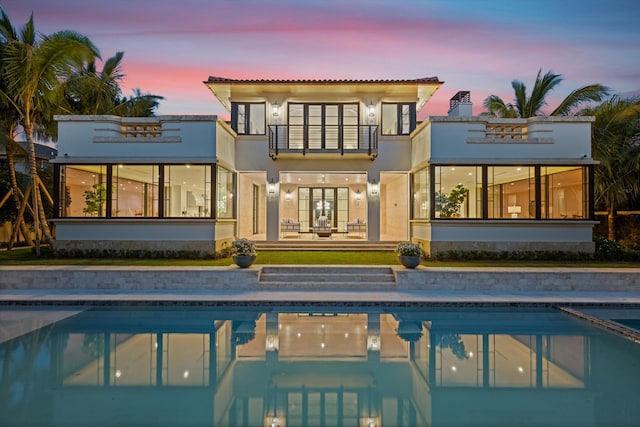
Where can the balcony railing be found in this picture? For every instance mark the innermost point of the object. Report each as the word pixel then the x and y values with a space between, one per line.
pixel 318 139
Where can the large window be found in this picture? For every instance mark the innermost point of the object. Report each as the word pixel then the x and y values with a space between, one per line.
pixel 398 119
pixel 83 191
pixel 224 193
pixel 187 191
pixel 248 118
pixel 564 191
pixel 421 194
pixel 511 192
pixel 145 191
pixel 134 191
pixel 458 192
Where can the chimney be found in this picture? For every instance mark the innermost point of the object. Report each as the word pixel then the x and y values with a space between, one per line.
pixel 460 105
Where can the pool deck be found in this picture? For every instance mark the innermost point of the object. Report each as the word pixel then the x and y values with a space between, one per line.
pixel 77 285
pixel 187 297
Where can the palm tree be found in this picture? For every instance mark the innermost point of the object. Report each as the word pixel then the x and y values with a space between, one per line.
pixel 11 147
pixel 616 145
pixel 530 106
pixel 93 92
pixel 32 70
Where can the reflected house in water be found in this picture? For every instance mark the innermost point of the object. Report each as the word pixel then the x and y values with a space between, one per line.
pixel 441 367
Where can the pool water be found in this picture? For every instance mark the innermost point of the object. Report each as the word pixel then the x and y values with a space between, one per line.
pixel 313 366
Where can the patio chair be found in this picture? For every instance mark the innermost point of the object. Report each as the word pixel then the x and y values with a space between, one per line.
pixel 322 227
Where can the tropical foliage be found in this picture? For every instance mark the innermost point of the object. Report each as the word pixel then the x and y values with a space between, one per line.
pixel 616 145
pixel 531 105
pixel 449 204
pixel 93 92
pixel 33 68
pixel 44 75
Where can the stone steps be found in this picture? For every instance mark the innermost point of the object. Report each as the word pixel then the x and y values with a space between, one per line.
pixel 327 278
pixel 324 245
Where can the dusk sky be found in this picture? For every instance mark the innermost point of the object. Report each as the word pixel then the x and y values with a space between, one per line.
pixel 172 46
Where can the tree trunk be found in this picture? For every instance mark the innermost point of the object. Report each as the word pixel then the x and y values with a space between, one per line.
pixel 16 199
pixel 611 224
pixel 40 218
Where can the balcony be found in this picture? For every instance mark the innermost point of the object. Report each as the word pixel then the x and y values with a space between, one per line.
pixel 318 139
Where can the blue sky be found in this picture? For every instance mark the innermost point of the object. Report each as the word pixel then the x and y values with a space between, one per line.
pixel 171 47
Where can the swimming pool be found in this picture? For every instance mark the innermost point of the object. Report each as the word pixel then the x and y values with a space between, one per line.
pixel 313 366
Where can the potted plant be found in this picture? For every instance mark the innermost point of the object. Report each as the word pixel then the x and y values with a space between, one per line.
pixel 449 204
pixel 410 254
pixel 94 199
pixel 244 252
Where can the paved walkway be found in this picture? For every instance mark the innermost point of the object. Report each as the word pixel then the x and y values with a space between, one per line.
pixel 82 296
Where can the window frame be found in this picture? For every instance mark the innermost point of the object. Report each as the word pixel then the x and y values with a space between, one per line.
pixel 161 211
pixel 587 201
pixel 247 119
pixel 399 124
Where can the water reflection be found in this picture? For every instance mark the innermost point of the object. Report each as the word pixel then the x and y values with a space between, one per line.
pixel 195 367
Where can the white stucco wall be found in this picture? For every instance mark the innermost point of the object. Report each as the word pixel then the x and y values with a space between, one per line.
pixel 550 139
pixel 183 138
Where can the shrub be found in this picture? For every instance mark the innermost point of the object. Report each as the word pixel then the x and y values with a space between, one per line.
pixel 409 249
pixel 244 247
pixel 608 249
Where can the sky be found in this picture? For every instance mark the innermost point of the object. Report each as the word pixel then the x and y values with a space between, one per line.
pixel 172 46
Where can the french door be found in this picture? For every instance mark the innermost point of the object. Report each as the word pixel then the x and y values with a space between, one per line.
pixel 323 126
pixel 332 202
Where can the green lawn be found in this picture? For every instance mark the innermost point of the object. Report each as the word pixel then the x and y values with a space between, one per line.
pixel 24 256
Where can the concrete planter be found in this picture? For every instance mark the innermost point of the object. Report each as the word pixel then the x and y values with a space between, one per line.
pixel 410 261
pixel 244 261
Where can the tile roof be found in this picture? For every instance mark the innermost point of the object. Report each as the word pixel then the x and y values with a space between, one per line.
pixel 213 79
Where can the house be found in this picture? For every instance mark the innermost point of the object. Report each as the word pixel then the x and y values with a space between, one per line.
pixel 348 152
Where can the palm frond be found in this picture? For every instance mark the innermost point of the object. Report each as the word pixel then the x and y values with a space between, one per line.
pixel 497 107
pixel 520 91
pixel 539 92
pixel 593 92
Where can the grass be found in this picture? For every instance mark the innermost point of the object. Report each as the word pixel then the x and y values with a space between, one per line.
pixel 25 256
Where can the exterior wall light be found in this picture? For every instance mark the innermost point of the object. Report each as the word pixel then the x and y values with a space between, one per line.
pixel 373 342
pixel 275 109
pixel 374 187
pixel 271 186
pixel 288 196
pixel 371 113
pixel 358 195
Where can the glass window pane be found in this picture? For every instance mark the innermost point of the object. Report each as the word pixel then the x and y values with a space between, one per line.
pixel 225 193
pixel 458 192
pixel 389 119
pixel 187 191
pixel 511 192
pixel 421 194
pixel 257 119
pixel 242 119
pixel 83 190
pixel 564 192
pixel 296 126
pixel 406 119
pixel 135 191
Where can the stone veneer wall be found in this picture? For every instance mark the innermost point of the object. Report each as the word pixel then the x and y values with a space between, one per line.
pixel 432 247
pixel 203 247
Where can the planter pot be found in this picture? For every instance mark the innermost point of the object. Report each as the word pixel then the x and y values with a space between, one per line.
pixel 244 261
pixel 410 261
